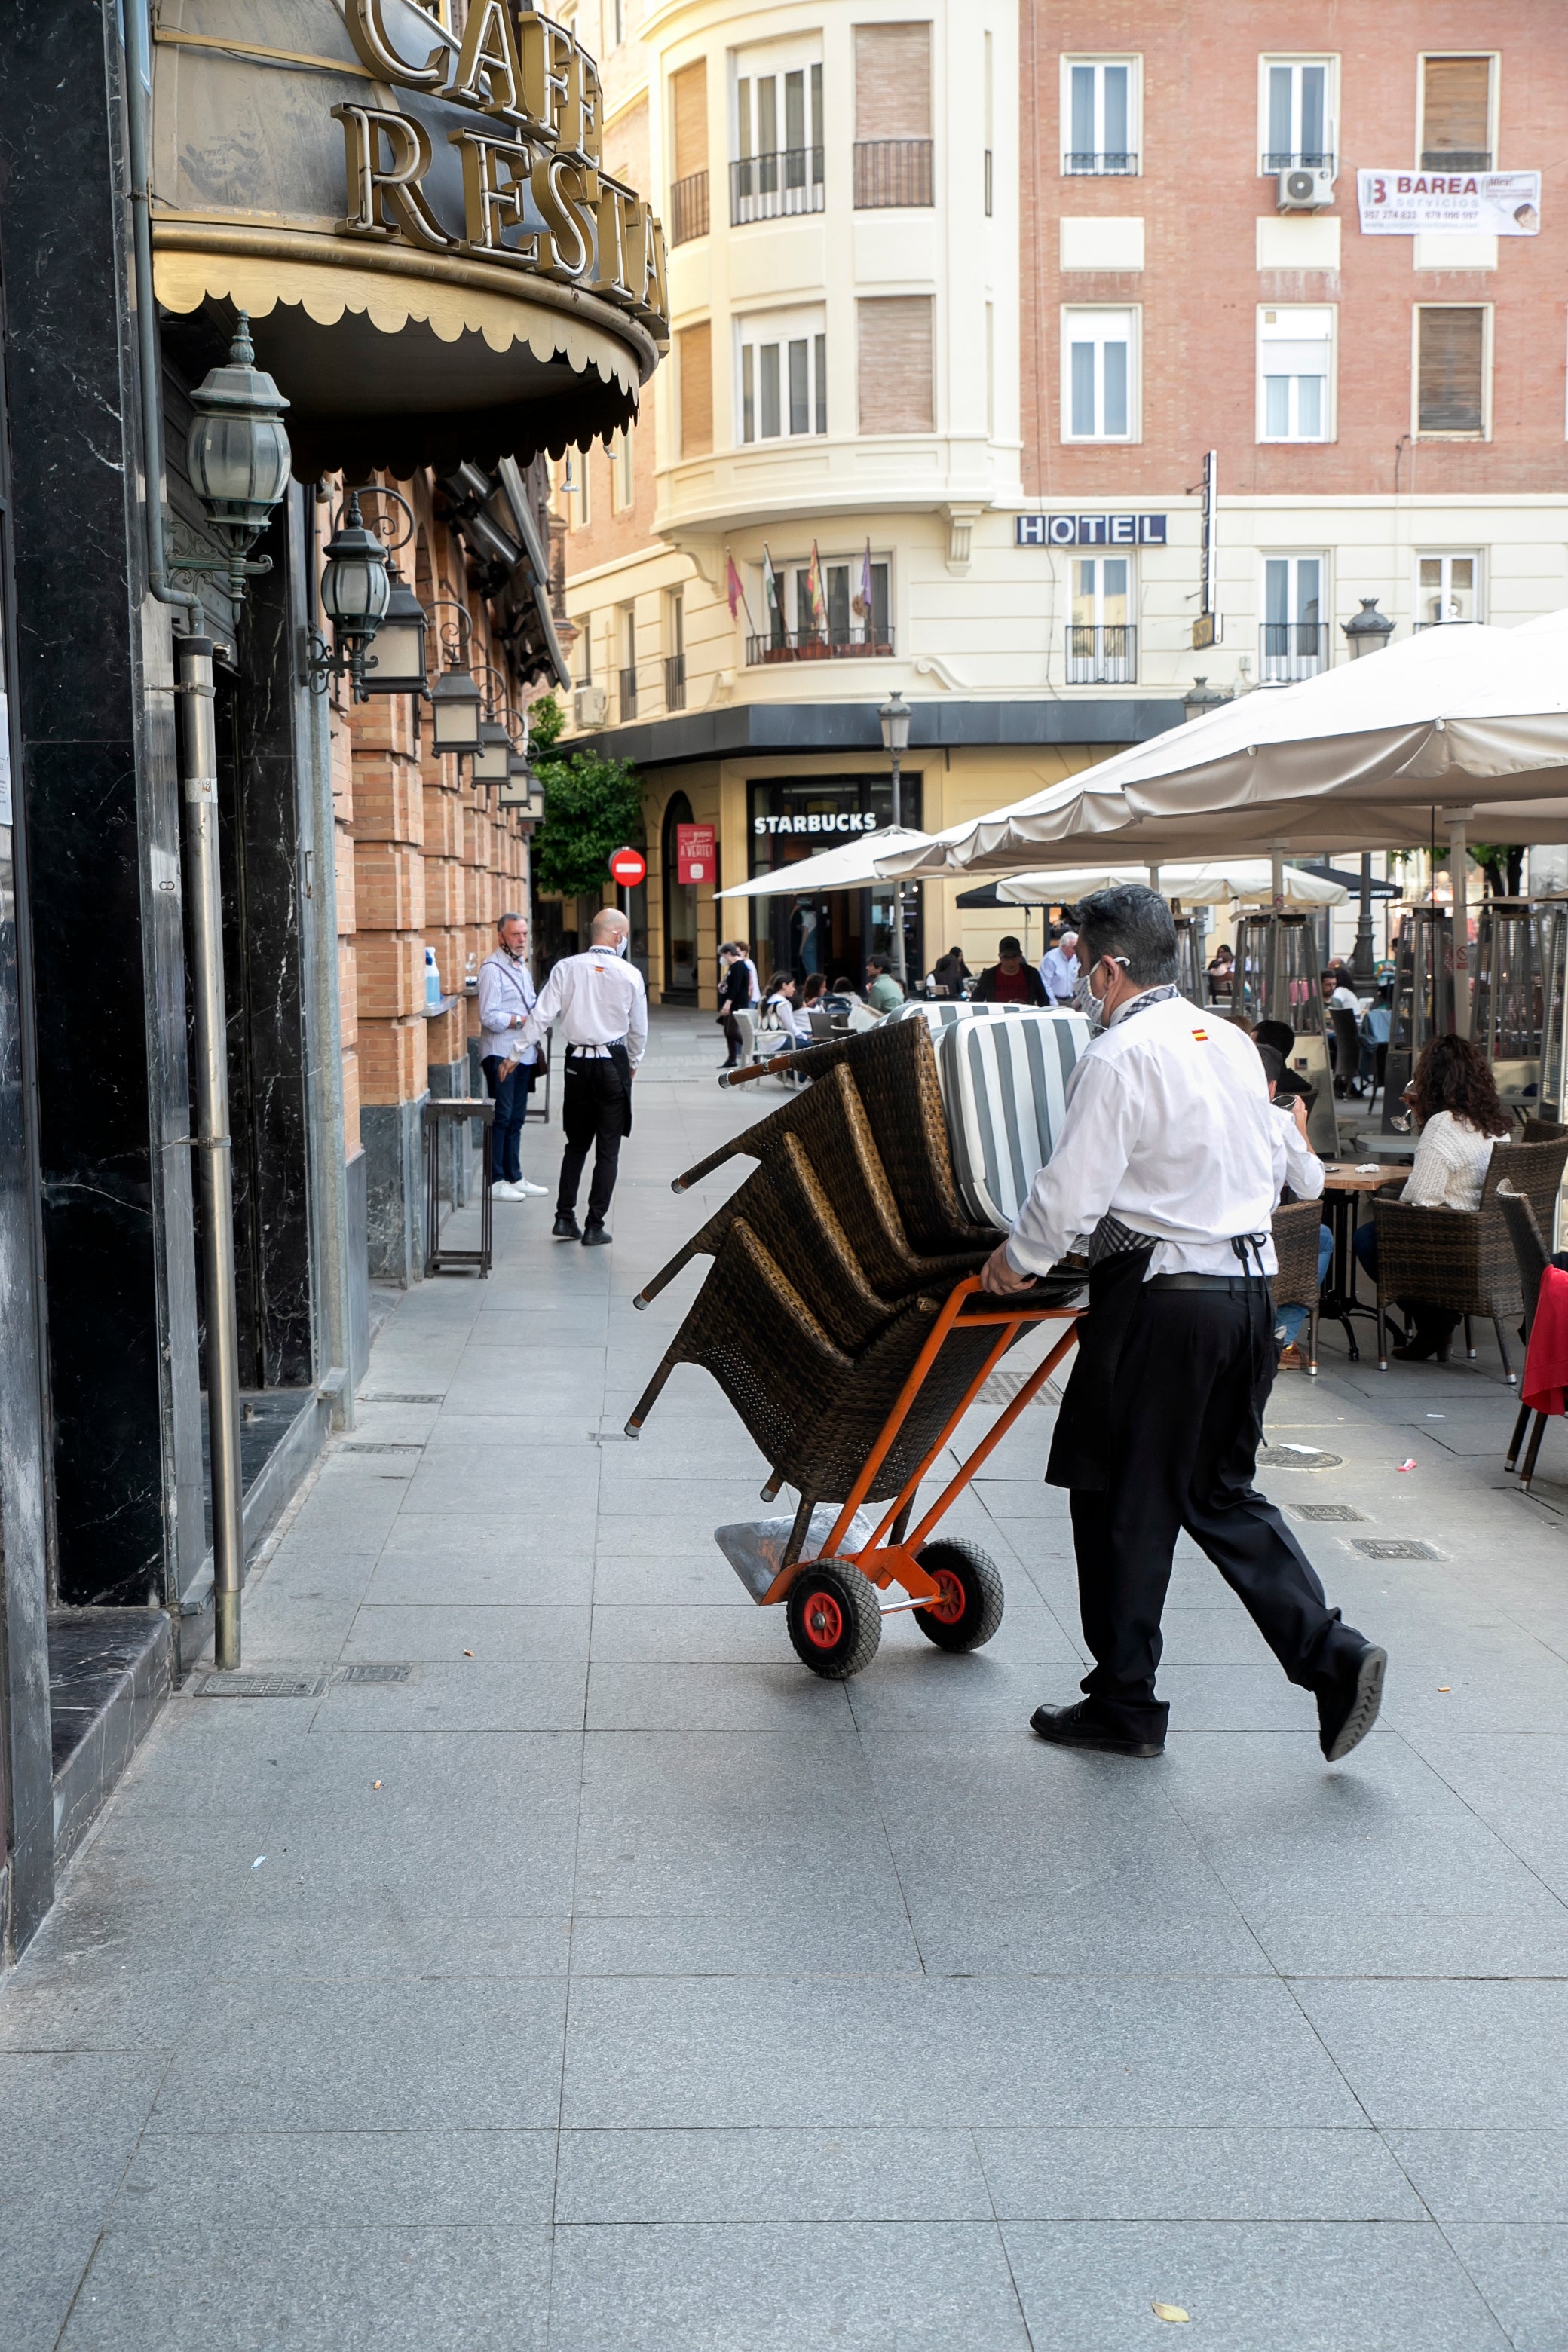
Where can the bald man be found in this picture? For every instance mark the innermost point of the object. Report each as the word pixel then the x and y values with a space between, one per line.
pixel 601 1005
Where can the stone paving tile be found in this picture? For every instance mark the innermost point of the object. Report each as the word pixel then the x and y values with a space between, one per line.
pixel 693 2177
pixel 1178 2175
pixel 324 2179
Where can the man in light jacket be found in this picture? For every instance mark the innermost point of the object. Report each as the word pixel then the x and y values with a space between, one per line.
pixel 507 997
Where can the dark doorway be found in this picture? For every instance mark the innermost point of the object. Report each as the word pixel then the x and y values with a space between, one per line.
pixel 679 910
pixel 830 931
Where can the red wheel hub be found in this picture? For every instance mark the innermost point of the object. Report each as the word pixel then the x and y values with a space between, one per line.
pixel 823 1620
pixel 948 1609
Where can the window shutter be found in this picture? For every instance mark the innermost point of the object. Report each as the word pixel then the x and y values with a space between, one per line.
pixel 689 88
pixel 896 394
pixel 697 390
pixel 1455 111
pixel 1450 395
pixel 892 81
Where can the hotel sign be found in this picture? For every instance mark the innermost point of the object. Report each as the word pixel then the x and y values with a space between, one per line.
pixel 1088 531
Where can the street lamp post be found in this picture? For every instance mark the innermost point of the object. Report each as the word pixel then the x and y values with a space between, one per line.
pixel 1363 966
pixel 895 717
pixel 1367 632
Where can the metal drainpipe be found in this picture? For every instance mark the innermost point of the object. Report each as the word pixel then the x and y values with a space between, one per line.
pixel 194 656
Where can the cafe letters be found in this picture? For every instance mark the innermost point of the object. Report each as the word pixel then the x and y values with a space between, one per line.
pixel 535 196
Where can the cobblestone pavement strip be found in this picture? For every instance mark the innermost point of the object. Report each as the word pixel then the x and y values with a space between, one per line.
pixel 580 1974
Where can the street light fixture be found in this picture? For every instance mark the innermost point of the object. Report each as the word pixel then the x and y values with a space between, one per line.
pixel 895 715
pixel 237 452
pixel 456 705
pixel 492 759
pixel 1369 630
pixel 1201 697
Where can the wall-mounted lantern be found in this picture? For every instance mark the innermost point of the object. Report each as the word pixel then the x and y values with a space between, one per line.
pixel 456 705
pixel 237 454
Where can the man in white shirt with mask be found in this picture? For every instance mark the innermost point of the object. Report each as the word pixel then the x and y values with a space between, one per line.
pixel 600 1002
pixel 1167 1169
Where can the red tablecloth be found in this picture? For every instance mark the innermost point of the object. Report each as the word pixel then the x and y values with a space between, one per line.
pixel 1546 1365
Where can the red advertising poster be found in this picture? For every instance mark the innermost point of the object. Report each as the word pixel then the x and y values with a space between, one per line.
pixel 696 853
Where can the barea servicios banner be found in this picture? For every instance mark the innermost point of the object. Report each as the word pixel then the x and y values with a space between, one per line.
pixel 1449 204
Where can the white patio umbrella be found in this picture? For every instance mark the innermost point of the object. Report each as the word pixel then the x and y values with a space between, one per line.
pixel 852 866
pixel 1216 883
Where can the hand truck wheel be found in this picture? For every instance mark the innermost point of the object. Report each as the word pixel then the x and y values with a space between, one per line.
pixel 835 1620
pixel 972 1600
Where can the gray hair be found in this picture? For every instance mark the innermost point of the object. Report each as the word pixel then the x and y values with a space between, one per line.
pixel 502 921
pixel 1132 923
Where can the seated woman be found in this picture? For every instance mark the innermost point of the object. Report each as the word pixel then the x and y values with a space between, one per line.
pixel 1303 1182
pixel 792 1018
pixel 1454 1098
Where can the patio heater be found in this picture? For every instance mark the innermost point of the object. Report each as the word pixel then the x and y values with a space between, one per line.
pixel 1423 1002
pixel 1279 978
pixel 1508 1006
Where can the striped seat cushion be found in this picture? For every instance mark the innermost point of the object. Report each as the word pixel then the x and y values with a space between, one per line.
pixel 1004 1084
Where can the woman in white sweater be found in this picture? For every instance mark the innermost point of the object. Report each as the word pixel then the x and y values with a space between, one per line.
pixel 1454 1099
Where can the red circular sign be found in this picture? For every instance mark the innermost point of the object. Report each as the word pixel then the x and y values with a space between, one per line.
pixel 628 867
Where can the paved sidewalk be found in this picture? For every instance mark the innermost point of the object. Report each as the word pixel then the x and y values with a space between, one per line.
pixel 609 1984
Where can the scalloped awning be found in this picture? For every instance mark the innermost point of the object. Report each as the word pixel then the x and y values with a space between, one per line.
pixel 391 355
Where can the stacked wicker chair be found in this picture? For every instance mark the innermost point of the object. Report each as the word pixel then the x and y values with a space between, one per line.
pixel 1464 1259
pixel 1297 1226
pixel 831 1265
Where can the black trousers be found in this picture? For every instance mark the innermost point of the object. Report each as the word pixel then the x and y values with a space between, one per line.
pixel 595 1106
pixel 1186 1419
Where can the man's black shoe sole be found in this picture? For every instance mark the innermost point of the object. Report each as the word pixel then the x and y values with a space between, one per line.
pixel 1045 1724
pixel 596 1237
pixel 1365 1706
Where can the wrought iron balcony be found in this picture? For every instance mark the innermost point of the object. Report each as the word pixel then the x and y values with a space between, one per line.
pixel 1103 654
pixel 1113 162
pixel 689 208
pixel 674 681
pixel 773 186
pixel 892 172
pixel 1288 651
pixel 1456 159
pixel 1280 158
pixel 806 644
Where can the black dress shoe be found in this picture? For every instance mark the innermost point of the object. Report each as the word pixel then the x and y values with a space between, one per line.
pixel 1075 1726
pixel 594 1237
pixel 1348 1706
pixel 566 1228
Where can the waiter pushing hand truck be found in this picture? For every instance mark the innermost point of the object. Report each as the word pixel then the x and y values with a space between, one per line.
pixel 1170 1161
pixel 599 1000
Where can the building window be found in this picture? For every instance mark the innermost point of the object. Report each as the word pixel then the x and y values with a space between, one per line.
pixel 1447 588
pixel 990 131
pixel 689 127
pixel 892 116
pixel 1099 99
pixel 674 650
pixel 627 627
pixel 1296 373
pixel 1102 648
pixel 843 617
pixel 1452 369
pixel 895 355
pixel 623 489
pixel 778 137
pixel 694 384
pixel 579 486
pixel 1457 129
pixel 1294 634
pixel 1100 389
pixel 783 375
pixel 585 650
pixel 1296 128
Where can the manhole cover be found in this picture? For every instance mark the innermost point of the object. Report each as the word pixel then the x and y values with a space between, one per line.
pixel 385 1396
pixel 1297 1457
pixel 216 1685
pixel 374 1673
pixel 380 1446
pixel 1324 1511
pixel 1393 1548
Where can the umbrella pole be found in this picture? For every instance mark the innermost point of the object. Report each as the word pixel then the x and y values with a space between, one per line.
pixel 1456 820
pixel 1153 877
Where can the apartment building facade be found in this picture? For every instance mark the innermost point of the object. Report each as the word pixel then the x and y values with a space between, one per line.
pixel 1039 366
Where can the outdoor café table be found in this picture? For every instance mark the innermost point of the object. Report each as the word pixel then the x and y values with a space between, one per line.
pixel 1343 1187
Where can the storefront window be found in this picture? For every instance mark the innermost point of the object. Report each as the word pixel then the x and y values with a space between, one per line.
pixel 793 819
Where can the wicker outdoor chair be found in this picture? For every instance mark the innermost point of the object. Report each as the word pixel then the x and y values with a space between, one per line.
pixel 894 1071
pixel 813 1407
pixel 830 1124
pixel 1542 1130
pixel 1533 1258
pixel 1296 1227
pixel 1463 1259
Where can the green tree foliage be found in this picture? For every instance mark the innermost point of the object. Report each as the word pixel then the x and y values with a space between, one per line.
pixel 592 808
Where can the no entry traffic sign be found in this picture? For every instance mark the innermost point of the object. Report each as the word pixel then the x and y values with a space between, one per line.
pixel 628 867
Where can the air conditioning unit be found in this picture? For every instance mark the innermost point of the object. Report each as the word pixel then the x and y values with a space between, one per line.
pixel 1305 189
pixel 591 705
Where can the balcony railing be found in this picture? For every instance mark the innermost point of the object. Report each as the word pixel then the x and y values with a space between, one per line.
pixel 1104 654
pixel 892 172
pixel 674 681
pixel 805 644
pixel 1450 620
pixel 1111 163
pixel 689 208
pixel 628 693
pixel 1290 650
pixel 1456 159
pixel 1279 159
pixel 770 187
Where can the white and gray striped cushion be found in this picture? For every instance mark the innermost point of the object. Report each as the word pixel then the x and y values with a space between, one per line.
pixel 1004 1084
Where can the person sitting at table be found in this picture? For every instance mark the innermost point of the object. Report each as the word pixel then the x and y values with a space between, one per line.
pixel 1010 980
pixel 1282 1037
pixel 1375 1025
pixel 790 1017
pixel 1303 1182
pixel 948 972
pixel 1221 974
pixel 1454 1099
pixel 813 996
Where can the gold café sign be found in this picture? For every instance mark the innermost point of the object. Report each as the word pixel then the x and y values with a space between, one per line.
pixel 535 195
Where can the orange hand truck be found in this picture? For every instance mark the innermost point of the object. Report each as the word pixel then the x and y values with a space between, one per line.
pixel 835 1600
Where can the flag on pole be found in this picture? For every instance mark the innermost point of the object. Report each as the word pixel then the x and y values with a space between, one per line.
pixel 814 595
pixel 860 602
pixel 736 589
pixel 771 596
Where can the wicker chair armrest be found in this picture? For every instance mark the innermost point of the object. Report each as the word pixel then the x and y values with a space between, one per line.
pixel 1420 1244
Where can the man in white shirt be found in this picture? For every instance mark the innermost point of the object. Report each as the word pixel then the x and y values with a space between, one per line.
pixel 601 1004
pixel 507 995
pixel 1058 969
pixel 1167 1169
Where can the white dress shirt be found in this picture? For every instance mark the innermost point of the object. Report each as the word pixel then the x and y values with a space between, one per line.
pixel 1169 1128
pixel 599 1000
pixel 1303 1169
pixel 1058 975
pixel 1450 1164
pixel 507 997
